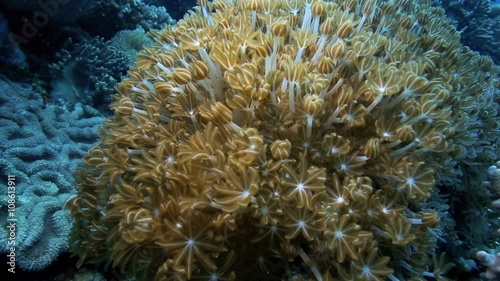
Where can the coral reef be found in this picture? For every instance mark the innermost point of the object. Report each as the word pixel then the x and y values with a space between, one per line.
pixel 86 61
pixel 494 182
pixel 492 263
pixel 88 72
pixel 41 145
pixel 491 259
pixel 176 8
pixel 479 28
pixel 287 140
pixel 105 18
pixel 129 42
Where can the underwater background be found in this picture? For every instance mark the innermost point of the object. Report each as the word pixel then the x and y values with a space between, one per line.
pixel 70 70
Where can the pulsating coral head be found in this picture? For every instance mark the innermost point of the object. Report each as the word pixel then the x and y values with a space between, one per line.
pixel 302 134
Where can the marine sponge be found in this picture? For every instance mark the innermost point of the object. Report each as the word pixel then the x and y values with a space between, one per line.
pixel 284 140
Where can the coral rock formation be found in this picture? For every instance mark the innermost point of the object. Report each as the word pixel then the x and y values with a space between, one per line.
pixel 284 139
pixel 40 145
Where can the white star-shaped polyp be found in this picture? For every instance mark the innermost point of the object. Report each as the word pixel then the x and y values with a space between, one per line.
pixel 366 270
pixel 245 194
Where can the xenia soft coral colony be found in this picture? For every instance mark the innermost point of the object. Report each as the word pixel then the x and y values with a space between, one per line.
pixel 283 139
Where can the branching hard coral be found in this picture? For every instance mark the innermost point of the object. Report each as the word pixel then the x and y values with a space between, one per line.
pixel 478 29
pixel 493 182
pixel 489 258
pixel 491 261
pixel 307 134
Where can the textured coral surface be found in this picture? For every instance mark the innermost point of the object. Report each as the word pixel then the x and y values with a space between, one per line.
pixel 40 145
pixel 285 140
